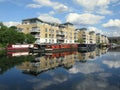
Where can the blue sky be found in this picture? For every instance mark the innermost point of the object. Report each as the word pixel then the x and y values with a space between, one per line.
pixel 97 15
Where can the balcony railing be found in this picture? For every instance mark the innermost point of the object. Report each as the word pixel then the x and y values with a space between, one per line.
pixel 61 33
pixel 37 36
pixel 60 38
pixel 35 30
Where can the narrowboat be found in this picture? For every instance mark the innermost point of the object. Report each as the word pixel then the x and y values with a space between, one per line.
pixel 38 48
pixel 53 47
pixel 86 47
pixel 19 47
pixel 60 47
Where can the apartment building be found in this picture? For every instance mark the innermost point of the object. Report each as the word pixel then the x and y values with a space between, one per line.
pixel 83 36
pixel 92 37
pixel 76 35
pixel 104 39
pixel 45 32
pixel 98 38
pixel 101 38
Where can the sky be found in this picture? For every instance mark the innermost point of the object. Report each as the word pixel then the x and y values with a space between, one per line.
pixel 101 16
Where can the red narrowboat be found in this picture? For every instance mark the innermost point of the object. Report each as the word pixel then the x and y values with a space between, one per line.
pixel 60 47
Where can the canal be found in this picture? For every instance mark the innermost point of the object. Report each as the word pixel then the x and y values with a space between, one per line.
pixel 93 70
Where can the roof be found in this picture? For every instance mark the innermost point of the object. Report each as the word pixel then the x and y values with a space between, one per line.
pixel 81 29
pixel 92 32
pixel 97 33
pixel 68 23
pixel 32 19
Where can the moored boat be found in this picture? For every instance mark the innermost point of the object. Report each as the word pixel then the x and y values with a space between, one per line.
pixel 18 47
pixel 54 47
pixel 60 47
pixel 86 47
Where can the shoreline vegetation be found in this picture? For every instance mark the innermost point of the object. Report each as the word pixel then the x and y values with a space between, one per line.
pixel 10 35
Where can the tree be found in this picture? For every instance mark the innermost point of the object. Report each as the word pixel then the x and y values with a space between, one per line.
pixel 80 40
pixel 10 35
pixel 29 38
pixel 13 27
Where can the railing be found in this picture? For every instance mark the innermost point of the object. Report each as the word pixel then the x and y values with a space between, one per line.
pixel 37 36
pixel 35 30
pixel 60 33
pixel 60 38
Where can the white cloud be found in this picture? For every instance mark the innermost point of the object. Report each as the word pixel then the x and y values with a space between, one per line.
pixel 112 64
pixel 113 26
pixel 85 68
pixel 51 12
pixel 84 19
pixel 11 23
pixel 95 30
pixel 48 18
pixel 112 23
pixel 59 7
pixel 34 5
pixel 90 83
pixel 56 79
pixel 113 61
pixel 113 33
pixel 96 5
pixel 103 10
pixel 95 82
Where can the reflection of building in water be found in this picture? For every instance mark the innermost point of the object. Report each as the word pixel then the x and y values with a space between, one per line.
pixel 84 56
pixel 49 61
pixel 104 50
pixel 53 60
pixel 101 51
pixel 92 55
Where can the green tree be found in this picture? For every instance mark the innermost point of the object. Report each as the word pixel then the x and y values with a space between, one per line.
pixel 80 40
pixel 29 38
pixel 10 35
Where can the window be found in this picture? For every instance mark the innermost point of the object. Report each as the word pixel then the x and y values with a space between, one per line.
pixel 45 29
pixel 45 35
pixel 52 35
pixel 45 40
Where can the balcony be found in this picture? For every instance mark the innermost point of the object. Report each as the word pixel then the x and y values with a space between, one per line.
pixel 37 36
pixel 91 39
pixel 35 30
pixel 60 38
pixel 61 34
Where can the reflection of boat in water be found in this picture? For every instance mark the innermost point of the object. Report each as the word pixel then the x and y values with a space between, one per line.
pixel 116 49
pixel 53 60
pixel 49 61
pixel 113 45
pixel 86 47
pixel 17 54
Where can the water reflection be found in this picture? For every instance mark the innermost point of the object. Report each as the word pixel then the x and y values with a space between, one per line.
pixel 65 59
pixel 95 70
pixel 9 62
pixel 49 61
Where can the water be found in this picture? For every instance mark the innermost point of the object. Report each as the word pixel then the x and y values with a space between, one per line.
pixel 95 70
